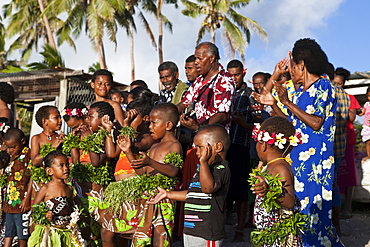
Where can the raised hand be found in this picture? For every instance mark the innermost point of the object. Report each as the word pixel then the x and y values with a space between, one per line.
pixel 106 123
pixel 188 122
pixel 130 116
pixel 264 98
pixel 205 154
pixel 139 163
pixel 124 143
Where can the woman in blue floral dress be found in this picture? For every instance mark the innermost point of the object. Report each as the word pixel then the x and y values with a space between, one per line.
pixel 312 112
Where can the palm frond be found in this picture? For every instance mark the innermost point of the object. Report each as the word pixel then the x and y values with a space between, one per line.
pixel 148 29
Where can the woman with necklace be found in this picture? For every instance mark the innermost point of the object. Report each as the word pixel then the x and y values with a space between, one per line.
pixel 312 112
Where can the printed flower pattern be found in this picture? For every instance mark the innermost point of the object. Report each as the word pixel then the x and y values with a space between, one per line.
pixel 313 161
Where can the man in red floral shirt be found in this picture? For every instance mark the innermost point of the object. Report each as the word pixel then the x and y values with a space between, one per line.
pixel 212 92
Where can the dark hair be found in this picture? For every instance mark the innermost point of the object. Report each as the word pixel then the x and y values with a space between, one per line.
pixel 6 121
pixel 102 72
pixel 343 72
pixel 43 113
pixel 260 74
pixel 286 74
pixel 235 64
pixel 190 59
pixel 168 65
pixel 74 105
pixel 219 134
pixel 314 58
pixel 279 125
pixel 14 134
pixel 143 107
pixel 142 93
pixel 139 83
pixel 330 71
pixel 368 90
pixel 117 92
pixel 49 158
pixel 169 112
pixel 212 49
pixel 103 108
pixel 6 92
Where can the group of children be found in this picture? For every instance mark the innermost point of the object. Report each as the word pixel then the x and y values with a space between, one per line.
pixel 106 154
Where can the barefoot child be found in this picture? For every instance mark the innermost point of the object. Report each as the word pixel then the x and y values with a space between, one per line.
pixel 206 195
pixel 17 197
pixel 57 196
pixel 48 118
pixel 275 139
pixel 156 222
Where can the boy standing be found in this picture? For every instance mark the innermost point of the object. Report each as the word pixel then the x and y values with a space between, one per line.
pixel 204 200
pixel 17 198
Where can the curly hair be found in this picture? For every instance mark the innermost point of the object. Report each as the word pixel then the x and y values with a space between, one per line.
pixel 49 158
pixel 143 107
pixel 279 125
pixel 310 52
pixel 103 108
pixel 343 73
pixel 6 92
pixel 43 113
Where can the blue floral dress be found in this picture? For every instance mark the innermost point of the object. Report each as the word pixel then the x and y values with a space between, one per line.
pixel 313 163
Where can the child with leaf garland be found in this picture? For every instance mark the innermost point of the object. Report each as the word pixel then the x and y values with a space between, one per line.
pixel 206 195
pixel 76 116
pixel 17 197
pixel 48 118
pixel 56 223
pixel 91 170
pixel 151 224
pixel 276 212
pixel 135 131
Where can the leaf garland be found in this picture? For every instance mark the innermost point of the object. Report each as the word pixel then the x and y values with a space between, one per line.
pixel 132 189
pixel 129 131
pixel 39 175
pixel 174 159
pixel 94 142
pixel 88 173
pixel 39 214
pixel 283 227
pixel 70 142
pixel 46 149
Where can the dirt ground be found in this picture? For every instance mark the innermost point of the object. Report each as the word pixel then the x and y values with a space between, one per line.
pixel 356 232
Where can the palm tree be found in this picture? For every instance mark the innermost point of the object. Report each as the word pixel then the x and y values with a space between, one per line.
pixel 162 20
pixel 52 58
pixel 222 13
pixel 95 16
pixel 125 18
pixel 30 25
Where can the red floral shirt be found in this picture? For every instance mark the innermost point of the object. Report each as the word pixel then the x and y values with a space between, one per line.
pixel 216 98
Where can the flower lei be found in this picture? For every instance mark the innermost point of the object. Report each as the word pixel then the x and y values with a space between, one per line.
pixel 4 128
pixel 75 112
pixel 277 139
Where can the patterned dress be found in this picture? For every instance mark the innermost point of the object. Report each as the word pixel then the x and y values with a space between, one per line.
pixel 313 163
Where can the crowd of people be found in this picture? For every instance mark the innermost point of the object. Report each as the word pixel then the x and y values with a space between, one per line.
pixel 144 169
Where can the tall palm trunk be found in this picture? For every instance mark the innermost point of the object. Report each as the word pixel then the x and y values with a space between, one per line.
pixel 213 35
pixel 132 52
pixel 160 30
pixel 49 33
pixel 100 50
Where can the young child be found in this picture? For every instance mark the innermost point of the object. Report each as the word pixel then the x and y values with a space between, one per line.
pixel 17 198
pixel 365 132
pixel 57 196
pixel 206 195
pixel 101 82
pixel 48 118
pixel 275 140
pixel 157 225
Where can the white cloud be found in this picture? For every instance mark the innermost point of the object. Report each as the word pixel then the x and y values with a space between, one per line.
pixel 284 21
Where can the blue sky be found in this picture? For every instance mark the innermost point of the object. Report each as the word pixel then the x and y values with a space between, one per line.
pixel 340 27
